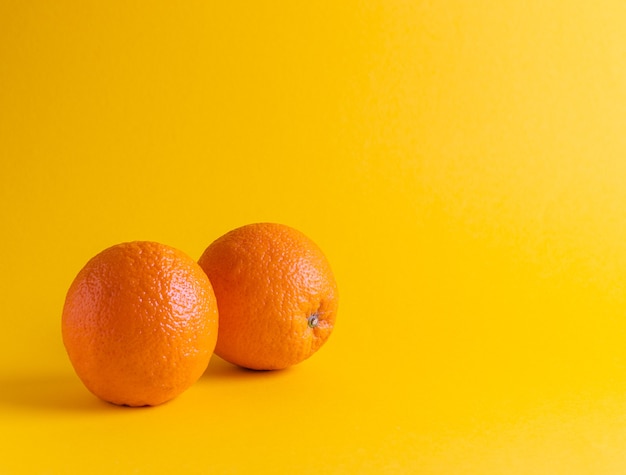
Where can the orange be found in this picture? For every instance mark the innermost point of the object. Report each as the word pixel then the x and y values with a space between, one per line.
pixel 276 294
pixel 140 323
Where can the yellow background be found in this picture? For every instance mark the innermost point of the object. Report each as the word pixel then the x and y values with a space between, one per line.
pixel 462 164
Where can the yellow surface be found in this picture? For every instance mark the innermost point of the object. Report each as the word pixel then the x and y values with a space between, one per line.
pixel 462 164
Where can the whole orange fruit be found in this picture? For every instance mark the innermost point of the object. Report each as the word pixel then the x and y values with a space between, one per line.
pixel 276 294
pixel 140 323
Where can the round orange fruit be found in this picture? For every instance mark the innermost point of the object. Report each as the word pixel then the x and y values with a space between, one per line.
pixel 140 323
pixel 276 294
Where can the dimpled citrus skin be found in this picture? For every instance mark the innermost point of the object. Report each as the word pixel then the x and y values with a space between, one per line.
pixel 140 323
pixel 276 294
